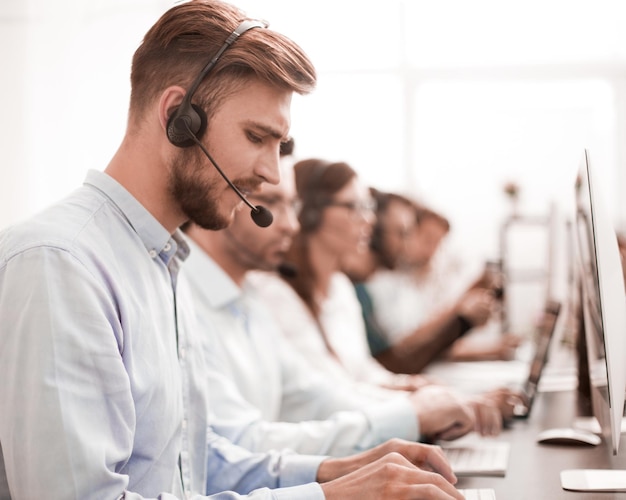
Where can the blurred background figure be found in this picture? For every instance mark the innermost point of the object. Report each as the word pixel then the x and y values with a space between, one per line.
pixel 317 307
pixel 291 405
pixel 417 307
pixel 336 219
pixel 621 243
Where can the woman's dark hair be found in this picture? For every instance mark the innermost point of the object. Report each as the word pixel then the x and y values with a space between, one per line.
pixel 383 200
pixel 317 182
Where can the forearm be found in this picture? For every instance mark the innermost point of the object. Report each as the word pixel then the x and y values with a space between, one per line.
pixel 424 344
pixel 339 435
pixel 231 467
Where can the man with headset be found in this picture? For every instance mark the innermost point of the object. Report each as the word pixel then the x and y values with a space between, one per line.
pixel 102 391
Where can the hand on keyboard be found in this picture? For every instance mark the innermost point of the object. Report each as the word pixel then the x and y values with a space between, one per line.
pixel 488 419
pixel 441 413
pixel 390 476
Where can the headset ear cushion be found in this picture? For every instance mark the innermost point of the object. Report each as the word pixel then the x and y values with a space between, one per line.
pixel 177 132
pixel 376 239
pixel 310 219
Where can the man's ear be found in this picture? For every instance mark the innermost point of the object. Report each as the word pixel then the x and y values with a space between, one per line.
pixel 169 101
pixel 183 122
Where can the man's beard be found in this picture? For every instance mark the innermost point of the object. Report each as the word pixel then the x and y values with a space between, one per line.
pixel 244 252
pixel 195 191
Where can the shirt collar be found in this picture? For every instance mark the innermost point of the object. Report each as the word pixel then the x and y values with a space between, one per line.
pixel 157 240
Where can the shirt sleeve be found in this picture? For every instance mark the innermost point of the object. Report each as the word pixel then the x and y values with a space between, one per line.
pixel 243 423
pixel 232 467
pixel 317 417
pixel 63 376
pixel 303 409
pixel 355 421
pixel 71 428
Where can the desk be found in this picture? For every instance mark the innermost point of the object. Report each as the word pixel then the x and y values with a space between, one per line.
pixel 534 469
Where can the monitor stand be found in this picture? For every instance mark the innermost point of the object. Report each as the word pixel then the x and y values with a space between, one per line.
pixel 593 480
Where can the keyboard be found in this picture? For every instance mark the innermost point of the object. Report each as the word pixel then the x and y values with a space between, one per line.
pixel 478 459
pixel 479 494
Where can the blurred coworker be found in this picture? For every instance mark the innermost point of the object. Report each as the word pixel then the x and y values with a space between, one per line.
pixel 384 269
pixel 394 222
pixel 621 245
pixel 386 260
pixel 264 395
pixel 317 307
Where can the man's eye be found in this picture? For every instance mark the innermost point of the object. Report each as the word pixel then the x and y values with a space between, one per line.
pixel 253 138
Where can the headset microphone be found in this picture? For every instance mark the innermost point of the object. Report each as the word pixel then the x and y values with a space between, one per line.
pixel 261 216
pixel 287 270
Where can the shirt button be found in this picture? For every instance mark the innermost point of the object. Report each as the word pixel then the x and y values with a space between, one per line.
pixel 167 247
pixel 153 253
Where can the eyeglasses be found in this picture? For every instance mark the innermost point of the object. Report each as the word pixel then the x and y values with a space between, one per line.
pixel 362 207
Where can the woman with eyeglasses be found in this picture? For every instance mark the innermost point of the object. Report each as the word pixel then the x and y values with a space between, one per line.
pixel 336 218
pixel 320 315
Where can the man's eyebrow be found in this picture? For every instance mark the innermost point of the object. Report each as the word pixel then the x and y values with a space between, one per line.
pixel 267 130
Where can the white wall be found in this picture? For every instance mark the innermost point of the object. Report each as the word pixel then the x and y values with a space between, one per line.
pixel 446 100
pixel 65 90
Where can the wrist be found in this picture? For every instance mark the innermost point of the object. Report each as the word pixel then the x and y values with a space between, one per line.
pixel 325 471
pixel 465 324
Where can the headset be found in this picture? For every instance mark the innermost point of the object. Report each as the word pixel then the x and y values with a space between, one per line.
pixel 189 118
pixel 377 242
pixel 312 204
pixel 188 121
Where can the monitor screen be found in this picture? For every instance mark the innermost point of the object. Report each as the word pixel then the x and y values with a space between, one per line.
pixel 603 303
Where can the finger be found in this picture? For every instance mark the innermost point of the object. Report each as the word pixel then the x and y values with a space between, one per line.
pixel 490 421
pixel 392 476
pixel 425 456
pixel 511 403
pixel 496 418
pixel 436 461
pixel 457 430
pixel 427 485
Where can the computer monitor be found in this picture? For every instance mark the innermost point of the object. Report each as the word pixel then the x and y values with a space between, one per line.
pixel 604 314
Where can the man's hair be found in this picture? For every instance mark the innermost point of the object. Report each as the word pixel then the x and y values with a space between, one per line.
pixel 287 147
pixel 181 43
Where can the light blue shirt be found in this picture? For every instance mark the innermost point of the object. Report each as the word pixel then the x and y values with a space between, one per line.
pixel 264 395
pixel 102 391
